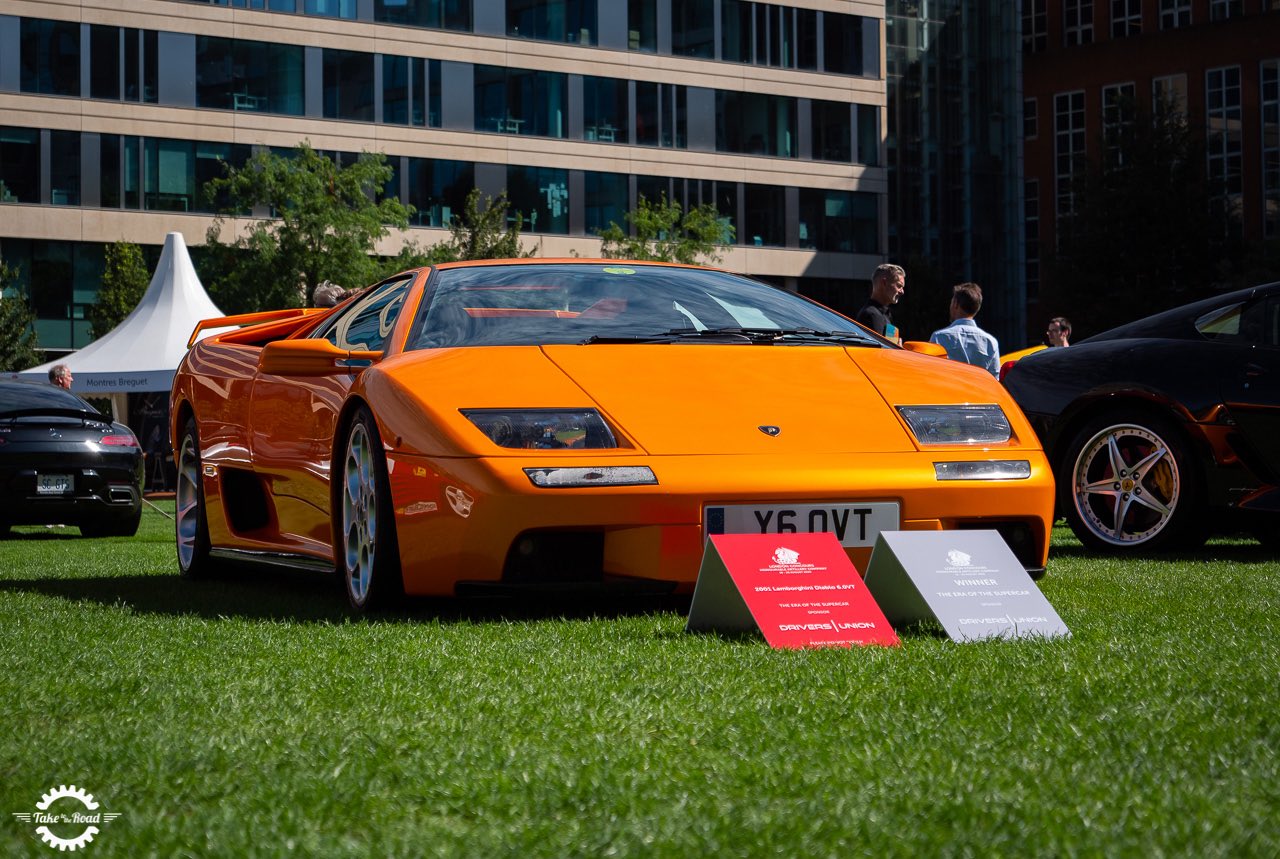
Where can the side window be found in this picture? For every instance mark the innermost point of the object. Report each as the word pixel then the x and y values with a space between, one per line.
pixel 367 322
pixel 1257 323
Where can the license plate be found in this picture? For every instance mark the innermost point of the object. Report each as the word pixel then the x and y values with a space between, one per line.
pixel 53 484
pixel 853 524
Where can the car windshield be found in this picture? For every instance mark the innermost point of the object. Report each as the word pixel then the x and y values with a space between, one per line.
pixel 537 304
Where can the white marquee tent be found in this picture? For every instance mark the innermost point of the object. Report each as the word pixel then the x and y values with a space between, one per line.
pixel 142 353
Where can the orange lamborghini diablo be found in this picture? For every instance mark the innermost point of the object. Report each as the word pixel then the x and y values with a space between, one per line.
pixel 571 423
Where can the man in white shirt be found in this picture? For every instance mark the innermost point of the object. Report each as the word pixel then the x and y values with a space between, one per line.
pixel 963 339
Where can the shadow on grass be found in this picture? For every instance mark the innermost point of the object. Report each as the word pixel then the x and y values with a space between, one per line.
pixel 251 594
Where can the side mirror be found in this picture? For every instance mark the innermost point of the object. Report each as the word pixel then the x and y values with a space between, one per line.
pixel 312 358
pixel 924 347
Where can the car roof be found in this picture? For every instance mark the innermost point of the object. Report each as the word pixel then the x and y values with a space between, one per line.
pixel 1179 322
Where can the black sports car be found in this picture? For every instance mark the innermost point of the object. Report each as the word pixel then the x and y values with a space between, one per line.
pixel 1165 429
pixel 63 462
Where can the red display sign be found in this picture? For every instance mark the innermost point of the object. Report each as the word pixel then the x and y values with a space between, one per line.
pixel 798 590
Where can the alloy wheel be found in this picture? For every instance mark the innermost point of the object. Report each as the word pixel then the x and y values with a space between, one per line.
pixel 1126 485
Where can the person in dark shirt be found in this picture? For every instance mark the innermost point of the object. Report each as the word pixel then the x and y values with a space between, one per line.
pixel 887 286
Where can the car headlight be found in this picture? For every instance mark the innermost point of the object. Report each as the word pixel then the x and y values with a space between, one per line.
pixel 605 475
pixel 543 429
pixel 994 469
pixel 985 424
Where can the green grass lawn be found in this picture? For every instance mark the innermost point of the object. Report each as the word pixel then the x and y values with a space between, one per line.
pixel 250 716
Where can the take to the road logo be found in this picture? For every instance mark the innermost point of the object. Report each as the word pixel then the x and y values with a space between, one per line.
pixel 67 818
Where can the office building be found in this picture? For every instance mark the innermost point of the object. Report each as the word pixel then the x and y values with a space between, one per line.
pixel 113 115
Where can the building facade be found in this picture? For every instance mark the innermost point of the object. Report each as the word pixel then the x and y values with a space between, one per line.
pixel 1088 66
pixel 954 152
pixel 113 114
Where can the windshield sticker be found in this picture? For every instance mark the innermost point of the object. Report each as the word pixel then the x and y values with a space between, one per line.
pixel 613 269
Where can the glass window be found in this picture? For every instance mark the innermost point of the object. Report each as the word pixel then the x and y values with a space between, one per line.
pixel 604 110
pixel 19 165
pixel 1220 10
pixel 807 39
pixel 841 221
pixel 236 74
pixel 1069 146
pixel 553 20
pixel 1119 112
pixel 726 202
pixel 395 90
pixel 1030 119
pixel 832 132
pixel 842 38
pixel 606 201
pixel 755 124
pixel 210 159
pixel 365 325
pixel 1126 18
pixel 437 14
pixel 1174 14
pixel 520 101
pixel 642 25
pixel 109 171
pixel 64 168
pixel 437 189
pixel 330 8
pixel 1031 232
pixel 1035 25
pixel 765 216
pixel 647 124
pixel 348 85
pixel 1169 94
pixel 1077 22
pixel 1270 102
pixel 693 29
pixel 735 31
pixel 132 174
pixel 1223 117
pixel 517 304
pixel 541 196
pixel 170 183
pixel 868 135
pixel 104 65
pixel 50 57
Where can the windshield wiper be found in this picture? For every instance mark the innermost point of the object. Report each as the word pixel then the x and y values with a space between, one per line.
pixel 780 335
pixel 755 336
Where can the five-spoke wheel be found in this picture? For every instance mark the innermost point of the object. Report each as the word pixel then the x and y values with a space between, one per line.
pixel 1129 484
pixel 368 554
pixel 190 524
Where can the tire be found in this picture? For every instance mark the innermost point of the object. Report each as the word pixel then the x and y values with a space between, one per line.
pixel 367 551
pixel 191 524
pixel 1129 484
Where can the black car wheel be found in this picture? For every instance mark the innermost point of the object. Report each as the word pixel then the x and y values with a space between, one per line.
pixel 368 552
pixel 190 523
pixel 1129 484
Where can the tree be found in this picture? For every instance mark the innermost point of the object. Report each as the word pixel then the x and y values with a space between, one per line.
pixel 1144 235
pixel 124 281
pixel 19 346
pixel 664 231
pixel 327 221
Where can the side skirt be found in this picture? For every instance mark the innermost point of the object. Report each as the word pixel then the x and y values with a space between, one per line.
pixel 288 560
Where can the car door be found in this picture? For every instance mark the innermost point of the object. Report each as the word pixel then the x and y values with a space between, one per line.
pixel 1251 380
pixel 292 418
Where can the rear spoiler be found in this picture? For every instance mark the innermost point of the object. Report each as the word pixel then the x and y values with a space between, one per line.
pixel 252 319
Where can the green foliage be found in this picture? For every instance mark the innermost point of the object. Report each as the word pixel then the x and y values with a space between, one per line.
pixel 124 281
pixel 665 232
pixel 19 346
pixel 327 222
pixel 562 729
pixel 1145 235
pixel 485 231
